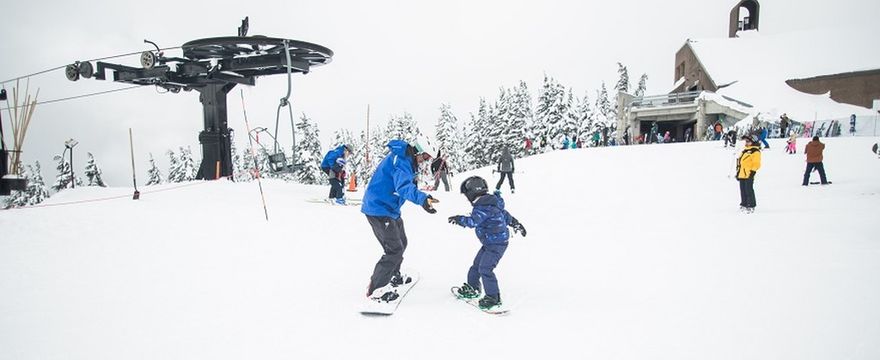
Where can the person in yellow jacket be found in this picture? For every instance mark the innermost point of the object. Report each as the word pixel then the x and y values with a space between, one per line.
pixel 746 167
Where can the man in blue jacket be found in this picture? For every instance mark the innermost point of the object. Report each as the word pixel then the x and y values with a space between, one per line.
pixel 334 166
pixel 393 182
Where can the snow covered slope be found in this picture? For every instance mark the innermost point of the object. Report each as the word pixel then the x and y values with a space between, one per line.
pixel 633 253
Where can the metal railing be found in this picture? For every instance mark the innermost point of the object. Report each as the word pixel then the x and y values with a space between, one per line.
pixel 665 99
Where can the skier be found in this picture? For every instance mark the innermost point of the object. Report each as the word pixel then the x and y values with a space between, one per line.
pixel 506 168
pixel 490 221
pixel 392 184
pixel 333 166
pixel 814 151
pixel 439 168
pixel 791 148
pixel 746 167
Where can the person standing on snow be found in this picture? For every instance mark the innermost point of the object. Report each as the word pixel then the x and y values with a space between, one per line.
pixel 814 151
pixel 393 182
pixel 490 221
pixel 763 137
pixel 506 168
pixel 784 123
pixel 791 148
pixel 333 166
pixel 440 168
pixel 746 167
pixel 718 129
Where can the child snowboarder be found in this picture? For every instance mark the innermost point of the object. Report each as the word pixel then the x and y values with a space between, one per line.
pixel 490 220
pixel 333 165
pixel 791 148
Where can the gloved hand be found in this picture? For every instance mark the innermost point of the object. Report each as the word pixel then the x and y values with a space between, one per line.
pixel 428 205
pixel 455 220
pixel 518 228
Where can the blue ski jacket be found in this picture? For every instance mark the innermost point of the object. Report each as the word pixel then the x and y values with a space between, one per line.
pixel 331 157
pixel 392 184
pixel 489 219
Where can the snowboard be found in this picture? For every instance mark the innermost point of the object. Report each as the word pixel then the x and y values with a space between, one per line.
pixel 328 201
pixel 875 149
pixel 818 183
pixel 381 308
pixel 499 310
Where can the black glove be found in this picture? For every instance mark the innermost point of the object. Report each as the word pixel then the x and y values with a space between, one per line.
pixel 427 205
pixel 455 220
pixel 518 228
pixel 752 174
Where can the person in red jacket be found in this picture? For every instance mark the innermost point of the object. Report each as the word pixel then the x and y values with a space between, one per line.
pixel 814 151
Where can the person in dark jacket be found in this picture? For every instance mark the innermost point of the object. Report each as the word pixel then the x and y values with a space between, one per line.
pixel 784 123
pixel 490 221
pixel 393 182
pixel 440 169
pixel 505 167
pixel 333 166
pixel 814 151
pixel 746 168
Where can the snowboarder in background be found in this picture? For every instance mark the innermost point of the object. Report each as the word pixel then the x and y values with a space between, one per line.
pixel 604 136
pixel 747 166
pixel 626 136
pixel 763 137
pixel 490 221
pixel 595 139
pixel 574 142
pixel 687 134
pixel 440 168
pixel 333 165
pixel 814 151
pixel 666 138
pixel 393 182
pixel 791 146
pixel 565 142
pixel 506 168
pixel 784 123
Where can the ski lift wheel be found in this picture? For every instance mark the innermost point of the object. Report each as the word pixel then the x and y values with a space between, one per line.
pixel 72 72
pixel 86 70
pixel 148 59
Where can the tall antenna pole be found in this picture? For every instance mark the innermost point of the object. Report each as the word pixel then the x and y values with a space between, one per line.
pixel 137 194
pixel 254 156
pixel 367 140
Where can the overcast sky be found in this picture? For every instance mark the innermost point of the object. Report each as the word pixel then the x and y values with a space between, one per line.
pixel 396 56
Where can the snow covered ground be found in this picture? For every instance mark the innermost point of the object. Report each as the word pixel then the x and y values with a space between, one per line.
pixel 633 253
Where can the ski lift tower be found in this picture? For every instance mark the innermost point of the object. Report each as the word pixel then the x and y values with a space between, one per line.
pixel 213 66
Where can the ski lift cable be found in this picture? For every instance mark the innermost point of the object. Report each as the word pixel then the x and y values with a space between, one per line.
pixel 76 97
pixel 96 59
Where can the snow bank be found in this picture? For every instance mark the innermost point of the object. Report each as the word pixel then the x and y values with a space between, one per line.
pixel 633 253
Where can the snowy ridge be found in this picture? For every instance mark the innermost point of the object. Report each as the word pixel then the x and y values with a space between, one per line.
pixel 632 253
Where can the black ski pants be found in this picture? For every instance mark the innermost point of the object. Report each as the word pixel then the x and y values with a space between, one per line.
pixel 818 166
pixel 747 192
pixel 336 188
pixel 392 237
pixel 501 180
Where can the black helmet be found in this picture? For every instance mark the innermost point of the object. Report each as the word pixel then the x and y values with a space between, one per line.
pixel 474 187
